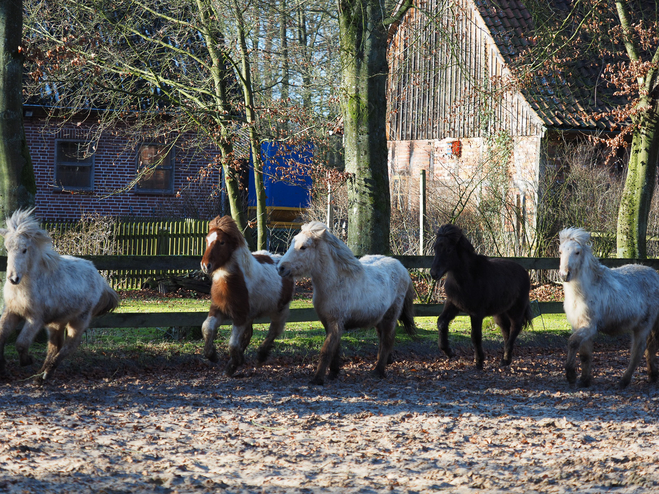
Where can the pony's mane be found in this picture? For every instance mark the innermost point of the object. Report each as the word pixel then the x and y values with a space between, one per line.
pixel 228 226
pixel 345 259
pixel 22 223
pixel 456 236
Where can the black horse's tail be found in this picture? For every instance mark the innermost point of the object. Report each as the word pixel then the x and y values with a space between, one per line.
pixel 527 322
pixel 407 314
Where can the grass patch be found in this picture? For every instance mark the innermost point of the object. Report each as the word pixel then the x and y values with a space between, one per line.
pixel 145 347
pixel 181 305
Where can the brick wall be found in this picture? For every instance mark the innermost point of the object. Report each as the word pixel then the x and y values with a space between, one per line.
pixel 195 186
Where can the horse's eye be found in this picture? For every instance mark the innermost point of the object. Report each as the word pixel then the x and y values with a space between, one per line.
pixel 24 251
pixel 577 253
pixel 304 247
pixel 222 242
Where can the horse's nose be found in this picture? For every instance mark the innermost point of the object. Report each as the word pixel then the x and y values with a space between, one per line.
pixel 14 279
pixel 206 267
pixel 564 274
pixel 284 270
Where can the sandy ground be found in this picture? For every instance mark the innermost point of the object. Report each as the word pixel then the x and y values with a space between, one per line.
pixel 431 425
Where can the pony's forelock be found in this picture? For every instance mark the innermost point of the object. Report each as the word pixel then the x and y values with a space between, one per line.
pixel 228 226
pixel 22 223
pixel 345 259
pixel 456 236
pixel 578 235
pixel 314 229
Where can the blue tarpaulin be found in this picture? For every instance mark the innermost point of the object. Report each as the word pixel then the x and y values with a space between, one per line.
pixel 285 174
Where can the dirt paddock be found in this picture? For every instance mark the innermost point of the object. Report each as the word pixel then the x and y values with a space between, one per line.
pixel 431 425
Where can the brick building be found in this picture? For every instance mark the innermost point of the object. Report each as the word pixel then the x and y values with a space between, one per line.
pixel 78 173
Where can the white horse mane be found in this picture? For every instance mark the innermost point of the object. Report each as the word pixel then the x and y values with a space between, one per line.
pixel 343 256
pixel 23 224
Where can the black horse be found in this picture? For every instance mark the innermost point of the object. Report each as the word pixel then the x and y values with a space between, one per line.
pixel 480 287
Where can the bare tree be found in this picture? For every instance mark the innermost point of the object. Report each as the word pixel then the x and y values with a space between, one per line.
pixel 180 71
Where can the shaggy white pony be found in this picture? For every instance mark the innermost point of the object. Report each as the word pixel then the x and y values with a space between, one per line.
pixel 612 301
pixel 45 289
pixel 350 293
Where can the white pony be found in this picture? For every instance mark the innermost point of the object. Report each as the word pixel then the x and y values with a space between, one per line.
pixel 43 288
pixel 612 301
pixel 350 293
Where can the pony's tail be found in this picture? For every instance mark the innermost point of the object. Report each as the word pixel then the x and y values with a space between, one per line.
pixel 527 322
pixel 407 314
pixel 109 301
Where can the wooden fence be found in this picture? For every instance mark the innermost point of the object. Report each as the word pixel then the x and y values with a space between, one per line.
pixel 187 263
pixel 146 238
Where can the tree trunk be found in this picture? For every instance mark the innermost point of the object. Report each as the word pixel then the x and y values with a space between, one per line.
pixel 230 166
pixel 17 185
pixel 639 186
pixel 364 66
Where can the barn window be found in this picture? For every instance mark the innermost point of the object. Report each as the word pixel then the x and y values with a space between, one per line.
pixel 155 164
pixel 74 165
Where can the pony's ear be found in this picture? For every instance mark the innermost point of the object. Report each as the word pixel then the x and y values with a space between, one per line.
pixel 465 244
pixel 3 232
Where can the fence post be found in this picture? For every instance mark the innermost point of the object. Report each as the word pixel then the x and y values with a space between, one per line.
pixel 422 210
pixel 330 209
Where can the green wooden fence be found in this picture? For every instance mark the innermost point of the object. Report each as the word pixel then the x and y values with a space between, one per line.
pixel 187 263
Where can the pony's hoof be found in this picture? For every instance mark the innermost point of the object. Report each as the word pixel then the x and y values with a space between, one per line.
pixel 479 365
pixel 27 360
pixel 653 378
pixel 262 355
pixel 505 362
pixel 584 383
pixel 317 381
pixel 448 352
pixel 571 376
pixel 380 374
pixel 332 375
pixel 230 369
pixel 213 357
pixel 623 384
pixel 40 379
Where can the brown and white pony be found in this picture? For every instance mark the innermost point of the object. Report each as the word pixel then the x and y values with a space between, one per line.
pixel 245 286
pixel 43 288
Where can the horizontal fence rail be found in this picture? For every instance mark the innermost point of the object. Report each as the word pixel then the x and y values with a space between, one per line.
pixel 189 263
